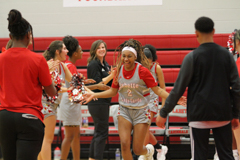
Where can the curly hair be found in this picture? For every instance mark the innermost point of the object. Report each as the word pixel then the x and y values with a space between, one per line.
pixel 71 44
pixel 141 58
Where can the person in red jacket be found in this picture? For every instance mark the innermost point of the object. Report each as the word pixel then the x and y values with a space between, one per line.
pixel 23 73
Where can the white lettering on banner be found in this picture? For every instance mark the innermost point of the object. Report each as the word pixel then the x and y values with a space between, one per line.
pixel 177 131
pixel 113 132
pixel 82 131
pixel 179 111
pixel 153 131
pixel 99 3
pixel 84 111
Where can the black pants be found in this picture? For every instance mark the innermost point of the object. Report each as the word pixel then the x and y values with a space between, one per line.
pixel 20 138
pixel 100 115
pixel 223 142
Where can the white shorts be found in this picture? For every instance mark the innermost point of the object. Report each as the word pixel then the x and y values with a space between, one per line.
pixel 49 109
pixel 135 116
pixel 153 105
pixel 70 113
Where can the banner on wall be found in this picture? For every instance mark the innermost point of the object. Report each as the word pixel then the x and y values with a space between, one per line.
pixel 98 3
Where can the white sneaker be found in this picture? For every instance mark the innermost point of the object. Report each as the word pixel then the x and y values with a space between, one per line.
pixel 161 155
pixel 216 156
pixel 235 155
pixel 149 155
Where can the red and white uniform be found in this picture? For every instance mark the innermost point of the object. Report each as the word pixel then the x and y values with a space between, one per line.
pixel 70 113
pixel 134 86
pixel 134 93
pixel 154 99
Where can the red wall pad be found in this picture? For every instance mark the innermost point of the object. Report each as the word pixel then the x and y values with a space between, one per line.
pixel 164 57
pixel 159 41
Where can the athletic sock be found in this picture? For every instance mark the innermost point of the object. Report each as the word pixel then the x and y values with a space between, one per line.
pixel 235 151
pixel 157 146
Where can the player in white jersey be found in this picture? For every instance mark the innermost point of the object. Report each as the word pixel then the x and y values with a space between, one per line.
pixel 132 81
pixel 57 52
pixel 155 69
pixel 70 113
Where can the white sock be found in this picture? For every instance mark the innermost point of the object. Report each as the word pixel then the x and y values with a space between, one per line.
pixel 148 152
pixel 235 151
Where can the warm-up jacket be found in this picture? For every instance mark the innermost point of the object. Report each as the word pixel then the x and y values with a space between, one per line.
pixel 97 71
pixel 211 75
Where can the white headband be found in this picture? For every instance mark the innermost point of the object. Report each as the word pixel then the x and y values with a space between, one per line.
pixel 127 48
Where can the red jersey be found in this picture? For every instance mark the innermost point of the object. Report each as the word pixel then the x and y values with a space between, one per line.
pixel 238 65
pixel 72 68
pixel 144 74
pixel 22 75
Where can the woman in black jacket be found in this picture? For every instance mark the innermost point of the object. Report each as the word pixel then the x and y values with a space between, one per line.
pixel 99 70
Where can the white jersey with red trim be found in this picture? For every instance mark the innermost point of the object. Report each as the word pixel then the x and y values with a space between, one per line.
pixel 133 92
pixel 153 70
pixel 66 84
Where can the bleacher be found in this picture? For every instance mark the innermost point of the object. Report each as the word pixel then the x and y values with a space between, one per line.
pixel 171 49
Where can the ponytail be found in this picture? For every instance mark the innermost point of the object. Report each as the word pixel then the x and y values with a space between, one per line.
pixel 51 50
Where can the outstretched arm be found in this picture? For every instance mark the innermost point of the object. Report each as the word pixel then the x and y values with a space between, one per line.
pixel 164 94
pixel 106 94
pixel 109 77
pixel 160 92
pixel 183 79
pixel 99 86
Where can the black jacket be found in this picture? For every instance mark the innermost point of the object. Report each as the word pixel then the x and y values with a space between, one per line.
pixel 96 71
pixel 209 72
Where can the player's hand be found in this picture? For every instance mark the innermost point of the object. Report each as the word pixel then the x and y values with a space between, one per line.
pixel 160 121
pixel 53 65
pixel 112 71
pixel 235 123
pixel 87 97
pixel 182 101
pixel 102 86
pixel 87 81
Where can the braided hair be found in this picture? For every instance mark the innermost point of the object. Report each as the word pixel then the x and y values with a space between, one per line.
pixel 141 58
pixel 18 26
pixel 71 44
pixel 51 50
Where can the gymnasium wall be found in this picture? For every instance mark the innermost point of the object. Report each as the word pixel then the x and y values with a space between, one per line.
pixel 49 18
